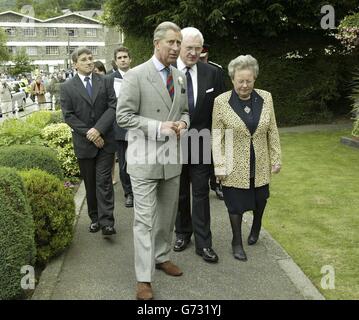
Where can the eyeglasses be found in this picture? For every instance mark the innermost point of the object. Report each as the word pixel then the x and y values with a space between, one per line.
pixel 247 82
pixel 195 49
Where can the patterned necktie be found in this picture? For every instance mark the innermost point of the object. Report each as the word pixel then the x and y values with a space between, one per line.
pixel 169 83
pixel 190 92
pixel 88 86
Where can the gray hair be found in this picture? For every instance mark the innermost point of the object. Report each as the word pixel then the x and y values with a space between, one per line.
pixel 78 52
pixel 192 32
pixel 242 63
pixel 162 29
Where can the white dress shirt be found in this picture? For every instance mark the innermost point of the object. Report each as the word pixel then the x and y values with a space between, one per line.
pixel 82 77
pixel 193 72
pixel 160 67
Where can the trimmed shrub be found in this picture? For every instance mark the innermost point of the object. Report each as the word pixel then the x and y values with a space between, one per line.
pixel 53 210
pixel 57 117
pixel 28 157
pixel 17 245
pixel 59 137
pixel 14 131
pixel 39 119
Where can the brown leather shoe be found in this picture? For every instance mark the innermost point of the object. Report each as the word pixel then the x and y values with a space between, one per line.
pixel 144 291
pixel 169 268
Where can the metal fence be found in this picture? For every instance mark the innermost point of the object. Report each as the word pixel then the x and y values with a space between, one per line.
pixel 15 111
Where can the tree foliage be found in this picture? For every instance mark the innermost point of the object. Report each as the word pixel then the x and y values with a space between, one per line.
pixel 222 18
pixel 348 31
pixel 23 64
pixel 45 9
pixel 4 53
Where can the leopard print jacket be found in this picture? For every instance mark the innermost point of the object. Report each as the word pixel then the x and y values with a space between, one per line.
pixel 231 143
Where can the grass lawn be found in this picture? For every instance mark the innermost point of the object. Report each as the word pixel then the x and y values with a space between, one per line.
pixel 313 211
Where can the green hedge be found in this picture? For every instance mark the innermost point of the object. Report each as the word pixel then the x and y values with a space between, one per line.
pixel 312 89
pixel 17 246
pixel 27 157
pixel 58 137
pixel 53 210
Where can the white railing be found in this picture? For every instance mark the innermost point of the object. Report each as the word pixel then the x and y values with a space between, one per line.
pixel 14 111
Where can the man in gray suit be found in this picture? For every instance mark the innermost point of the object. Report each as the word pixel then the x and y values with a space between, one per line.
pixel 88 103
pixel 153 105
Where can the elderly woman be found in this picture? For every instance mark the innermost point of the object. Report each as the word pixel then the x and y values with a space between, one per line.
pixel 254 148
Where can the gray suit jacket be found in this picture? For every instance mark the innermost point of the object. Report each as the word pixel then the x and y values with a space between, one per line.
pixel 143 103
pixel 82 113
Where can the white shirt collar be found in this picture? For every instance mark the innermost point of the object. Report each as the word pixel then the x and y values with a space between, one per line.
pixel 83 77
pixel 122 73
pixel 158 64
pixel 182 67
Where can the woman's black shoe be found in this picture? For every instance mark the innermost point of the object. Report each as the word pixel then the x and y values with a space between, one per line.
pixel 238 253
pixel 252 239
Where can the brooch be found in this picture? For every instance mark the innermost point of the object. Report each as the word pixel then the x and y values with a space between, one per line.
pixel 247 109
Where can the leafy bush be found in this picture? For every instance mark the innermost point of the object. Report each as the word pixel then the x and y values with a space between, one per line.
pixel 355 98
pixel 59 137
pixel 53 210
pixel 28 157
pixel 17 245
pixel 40 119
pixel 14 131
pixel 56 116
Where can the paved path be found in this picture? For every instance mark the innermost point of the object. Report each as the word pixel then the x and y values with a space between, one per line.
pixel 96 268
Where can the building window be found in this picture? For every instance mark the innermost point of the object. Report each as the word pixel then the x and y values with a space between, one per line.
pixel 73 32
pixel 72 49
pixel 10 31
pixel 29 32
pixel 51 32
pixel 90 32
pixel 52 51
pixel 12 50
pixel 31 51
pixel 93 50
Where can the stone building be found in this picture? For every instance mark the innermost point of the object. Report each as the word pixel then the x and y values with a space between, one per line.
pixel 49 43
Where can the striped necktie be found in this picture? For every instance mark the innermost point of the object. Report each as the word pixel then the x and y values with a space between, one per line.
pixel 169 83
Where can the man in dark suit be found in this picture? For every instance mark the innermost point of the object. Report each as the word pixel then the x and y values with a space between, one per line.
pixel 88 103
pixel 203 85
pixel 122 60
pixel 214 184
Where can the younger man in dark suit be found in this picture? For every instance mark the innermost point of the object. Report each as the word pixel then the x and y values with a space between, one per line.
pixel 88 103
pixel 122 60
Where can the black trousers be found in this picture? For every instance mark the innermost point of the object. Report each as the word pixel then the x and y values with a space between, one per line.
pixel 97 176
pixel 200 221
pixel 124 176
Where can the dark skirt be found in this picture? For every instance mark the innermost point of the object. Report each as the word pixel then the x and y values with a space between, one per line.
pixel 239 200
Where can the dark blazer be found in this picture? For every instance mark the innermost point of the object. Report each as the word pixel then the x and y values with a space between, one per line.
pixel 210 85
pixel 82 113
pixel 120 133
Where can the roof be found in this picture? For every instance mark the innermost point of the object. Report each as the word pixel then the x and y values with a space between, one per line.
pixel 20 14
pixel 54 18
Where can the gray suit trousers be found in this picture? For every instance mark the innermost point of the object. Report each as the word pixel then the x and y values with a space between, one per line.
pixel 155 206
